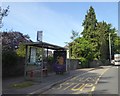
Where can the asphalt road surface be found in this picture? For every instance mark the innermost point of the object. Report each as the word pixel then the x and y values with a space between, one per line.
pixel 103 80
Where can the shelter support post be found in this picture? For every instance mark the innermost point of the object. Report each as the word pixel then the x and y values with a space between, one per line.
pixel 26 57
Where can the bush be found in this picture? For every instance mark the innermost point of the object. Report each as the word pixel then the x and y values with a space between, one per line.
pixel 9 62
pixel 9 58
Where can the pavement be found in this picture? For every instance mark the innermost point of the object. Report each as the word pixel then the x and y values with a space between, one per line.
pixel 38 87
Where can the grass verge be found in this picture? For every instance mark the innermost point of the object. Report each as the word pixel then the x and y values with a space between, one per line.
pixel 22 84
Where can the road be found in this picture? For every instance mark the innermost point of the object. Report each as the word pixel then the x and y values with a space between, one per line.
pixel 102 80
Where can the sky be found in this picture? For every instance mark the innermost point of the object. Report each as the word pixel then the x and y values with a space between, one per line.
pixel 55 19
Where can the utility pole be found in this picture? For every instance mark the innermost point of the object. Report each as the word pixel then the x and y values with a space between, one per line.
pixel 110 46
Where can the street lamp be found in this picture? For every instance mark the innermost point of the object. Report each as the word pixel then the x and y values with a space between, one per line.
pixel 110 46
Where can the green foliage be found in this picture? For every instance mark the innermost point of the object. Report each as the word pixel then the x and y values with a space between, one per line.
pixel 13 58
pixel 82 49
pixel 74 35
pixel 89 24
pixel 9 62
pixel 117 45
pixel 90 34
pixel 21 50
pixel 94 44
pixel 50 59
pixel 9 58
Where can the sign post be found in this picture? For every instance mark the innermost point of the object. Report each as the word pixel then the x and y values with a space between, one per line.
pixel 39 39
pixel 39 36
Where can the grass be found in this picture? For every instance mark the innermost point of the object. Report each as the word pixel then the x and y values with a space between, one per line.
pixel 22 84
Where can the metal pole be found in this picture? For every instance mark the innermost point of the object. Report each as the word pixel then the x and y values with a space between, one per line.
pixel 66 61
pixel 26 61
pixel 69 59
pixel 110 46
pixel 42 63
pixel 47 56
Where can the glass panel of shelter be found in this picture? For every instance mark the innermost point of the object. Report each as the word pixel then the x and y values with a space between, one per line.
pixel 36 62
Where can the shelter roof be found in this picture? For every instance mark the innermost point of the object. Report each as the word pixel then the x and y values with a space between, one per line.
pixel 45 45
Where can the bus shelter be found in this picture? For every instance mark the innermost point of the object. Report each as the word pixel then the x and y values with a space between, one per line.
pixel 35 67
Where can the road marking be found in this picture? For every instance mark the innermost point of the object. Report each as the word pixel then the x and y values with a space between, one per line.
pixel 59 81
pixel 97 80
pixel 80 79
pixel 61 85
pixel 83 87
pixel 93 88
pixel 101 76
pixel 69 86
pixel 73 78
pixel 76 89
pixel 89 78
pixel 89 84
pixel 81 75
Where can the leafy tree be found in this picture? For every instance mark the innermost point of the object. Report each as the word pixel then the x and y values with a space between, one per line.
pixel 74 35
pixel 89 31
pixel 94 44
pixel 103 30
pixel 83 50
pixel 12 51
pixel 117 45
pixel 89 24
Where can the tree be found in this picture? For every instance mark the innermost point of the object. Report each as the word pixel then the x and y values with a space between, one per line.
pixel 83 50
pixel 89 24
pixel 3 13
pixel 103 30
pixel 74 35
pixel 89 31
pixel 94 44
pixel 117 45
pixel 14 50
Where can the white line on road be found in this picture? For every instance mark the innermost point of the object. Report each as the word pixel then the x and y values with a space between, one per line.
pixel 98 80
